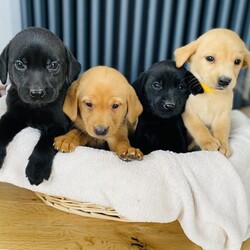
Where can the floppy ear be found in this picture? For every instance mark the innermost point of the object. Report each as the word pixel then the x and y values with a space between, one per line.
pixel 4 64
pixel 74 67
pixel 70 106
pixel 138 85
pixel 193 84
pixel 246 62
pixel 134 106
pixel 183 54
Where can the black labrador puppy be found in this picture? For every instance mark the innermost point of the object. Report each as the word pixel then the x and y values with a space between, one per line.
pixel 163 90
pixel 40 70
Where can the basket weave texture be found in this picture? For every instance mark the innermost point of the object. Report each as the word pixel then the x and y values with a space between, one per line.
pixel 86 209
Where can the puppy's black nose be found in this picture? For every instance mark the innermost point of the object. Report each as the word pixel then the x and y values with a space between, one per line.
pixel 224 81
pixel 100 130
pixel 37 93
pixel 169 106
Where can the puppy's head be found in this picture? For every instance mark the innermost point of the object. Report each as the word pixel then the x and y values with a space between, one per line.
pixel 101 101
pixel 215 58
pixel 39 65
pixel 163 89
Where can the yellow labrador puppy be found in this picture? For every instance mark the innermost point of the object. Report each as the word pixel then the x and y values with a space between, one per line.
pixel 104 108
pixel 215 58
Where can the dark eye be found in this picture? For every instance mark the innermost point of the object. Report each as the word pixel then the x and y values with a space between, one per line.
pixel 53 66
pixel 181 87
pixel 115 106
pixel 210 58
pixel 20 65
pixel 237 62
pixel 156 85
pixel 89 105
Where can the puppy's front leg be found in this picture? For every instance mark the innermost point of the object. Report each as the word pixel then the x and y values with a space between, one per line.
pixel 120 144
pixel 41 159
pixel 69 141
pixel 221 129
pixel 9 127
pixel 200 132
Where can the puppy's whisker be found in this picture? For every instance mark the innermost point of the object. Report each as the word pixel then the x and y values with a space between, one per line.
pixel 193 80
pixel 194 84
pixel 189 76
pixel 83 133
pixel 147 108
pixel 14 99
pixel 199 87
pixel 80 132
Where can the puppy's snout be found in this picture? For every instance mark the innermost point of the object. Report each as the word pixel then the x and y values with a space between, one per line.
pixel 100 130
pixel 169 106
pixel 37 93
pixel 224 81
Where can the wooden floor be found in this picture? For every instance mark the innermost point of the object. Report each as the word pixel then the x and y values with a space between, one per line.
pixel 27 223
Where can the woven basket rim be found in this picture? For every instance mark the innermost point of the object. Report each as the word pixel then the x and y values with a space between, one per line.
pixel 81 208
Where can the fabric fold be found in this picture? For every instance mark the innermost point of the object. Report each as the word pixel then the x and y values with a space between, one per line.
pixel 206 192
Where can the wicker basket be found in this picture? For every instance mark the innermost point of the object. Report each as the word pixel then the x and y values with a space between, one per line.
pixel 81 208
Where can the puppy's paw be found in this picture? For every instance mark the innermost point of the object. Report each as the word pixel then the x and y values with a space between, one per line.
pixel 65 143
pixel 225 150
pixel 38 170
pixel 212 144
pixel 128 154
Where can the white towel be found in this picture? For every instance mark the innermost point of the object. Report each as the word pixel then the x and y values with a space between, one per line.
pixel 208 193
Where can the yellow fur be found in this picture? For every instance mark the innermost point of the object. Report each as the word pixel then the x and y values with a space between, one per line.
pixel 208 116
pixel 101 87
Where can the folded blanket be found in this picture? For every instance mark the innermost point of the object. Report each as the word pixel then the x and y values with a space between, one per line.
pixel 207 193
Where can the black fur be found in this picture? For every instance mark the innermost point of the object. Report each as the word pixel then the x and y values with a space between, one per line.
pixel 40 69
pixel 163 90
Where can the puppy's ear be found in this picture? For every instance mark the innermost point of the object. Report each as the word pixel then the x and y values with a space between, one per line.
pixel 134 106
pixel 183 54
pixel 193 84
pixel 4 64
pixel 139 84
pixel 74 67
pixel 70 106
pixel 246 62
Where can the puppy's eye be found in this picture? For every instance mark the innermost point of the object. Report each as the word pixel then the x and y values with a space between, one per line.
pixel 181 87
pixel 20 65
pixel 89 105
pixel 156 85
pixel 115 106
pixel 210 58
pixel 53 66
pixel 237 62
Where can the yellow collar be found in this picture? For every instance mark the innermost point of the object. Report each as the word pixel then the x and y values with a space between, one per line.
pixel 206 88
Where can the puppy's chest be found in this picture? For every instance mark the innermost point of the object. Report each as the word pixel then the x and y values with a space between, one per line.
pixel 43 119
pixel 161 129
pixel 97 143
pixel 209 106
